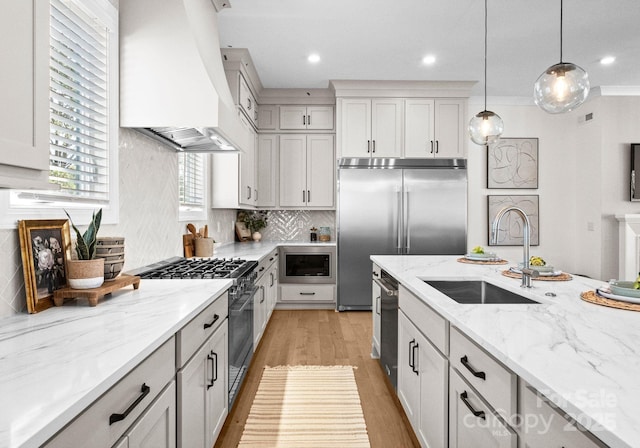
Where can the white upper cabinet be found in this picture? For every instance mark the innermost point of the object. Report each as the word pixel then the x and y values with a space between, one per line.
pixel 306 117
pixel 24 136
pixel 268 117
pixel 267 165
pixel 307 171
pixel 434 128
pixel 371 127
pixel 247 101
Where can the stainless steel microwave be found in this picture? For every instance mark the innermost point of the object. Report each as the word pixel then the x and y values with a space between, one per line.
pixel 307 264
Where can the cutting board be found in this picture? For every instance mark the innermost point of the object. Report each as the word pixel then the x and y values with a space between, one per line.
pixel 188 245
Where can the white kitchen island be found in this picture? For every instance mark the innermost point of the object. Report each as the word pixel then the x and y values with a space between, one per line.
pixel 56 363
pixel 582 357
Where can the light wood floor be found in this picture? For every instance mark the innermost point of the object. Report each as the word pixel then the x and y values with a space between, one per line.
pixel 325 337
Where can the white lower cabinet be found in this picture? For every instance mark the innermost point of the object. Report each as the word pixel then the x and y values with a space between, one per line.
pixel 109 418
pixel 307 293
pixel 203 392
pixel 471 421
pixel 157 427
pixel 544 426
pixel 259 310
pixel 422 384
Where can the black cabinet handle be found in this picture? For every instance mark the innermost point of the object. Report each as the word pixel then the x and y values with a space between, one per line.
pixel 263 294
pixel 304 119
pixel 248 192
pixel 368 146
pixel 271 259
pixel 464 397
pixel 215 319
pixel 303 197
pixel 307 293
pixel 375 274
pixel 308 195
pixel 431 146
pixel 272 279
pixel 213 357
pixel 465 362
pixel 261 269
pixel 437 146
pixel 374 146
pixel 413 341
pixel 144 391
pixel 413 367
pixel 308 119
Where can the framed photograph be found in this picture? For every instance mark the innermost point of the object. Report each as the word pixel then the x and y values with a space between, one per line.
pixel 510 232
pixel 45 246
pixel 513 163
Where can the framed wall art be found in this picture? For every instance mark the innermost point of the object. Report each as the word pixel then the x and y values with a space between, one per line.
pixel 513 163
pixel 45 246
pixel 511 226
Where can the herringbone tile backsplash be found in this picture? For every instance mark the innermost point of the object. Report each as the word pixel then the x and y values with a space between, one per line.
pixel 295 225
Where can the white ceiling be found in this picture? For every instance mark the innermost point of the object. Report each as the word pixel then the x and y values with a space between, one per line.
pixel 375 39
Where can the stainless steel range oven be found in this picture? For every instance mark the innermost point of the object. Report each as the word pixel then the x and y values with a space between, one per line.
pixel 240 311
pixel 307 264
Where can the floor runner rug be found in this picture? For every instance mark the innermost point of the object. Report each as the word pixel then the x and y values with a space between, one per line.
pixel 306 406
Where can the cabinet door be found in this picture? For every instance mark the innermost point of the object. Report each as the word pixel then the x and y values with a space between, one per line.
pixel 320 117
pixel 320 171
pixel 267 117
pixel 408 379
pixel 245 97
pixel 24 127
pixel 418 128
pixel 248 190
pixel 471 422
pixel 266 169
pixel 375 307
pixel 156 428
pixel 449 128
pixel 386 127
pixel 259 311
pixel 355 128
pixel 293 170
pixel 293 117
pixel 203 393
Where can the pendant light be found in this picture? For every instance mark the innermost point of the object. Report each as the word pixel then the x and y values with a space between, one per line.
pixel 485 127
pixel 563 86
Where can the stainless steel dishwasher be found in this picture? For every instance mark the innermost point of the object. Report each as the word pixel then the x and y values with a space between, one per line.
pixel 388 325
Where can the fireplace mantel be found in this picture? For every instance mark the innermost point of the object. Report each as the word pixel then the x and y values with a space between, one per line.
pixel 629 246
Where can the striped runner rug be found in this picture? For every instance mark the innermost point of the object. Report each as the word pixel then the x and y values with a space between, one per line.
pixel 306 406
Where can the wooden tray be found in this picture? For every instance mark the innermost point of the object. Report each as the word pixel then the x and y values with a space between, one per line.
pixel 558 278
pixel 94 294
pixel 465 260
pixel 592 297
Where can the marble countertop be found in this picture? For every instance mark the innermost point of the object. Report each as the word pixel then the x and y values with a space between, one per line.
pixel 56 363
pixel 251 250
pixel 585 358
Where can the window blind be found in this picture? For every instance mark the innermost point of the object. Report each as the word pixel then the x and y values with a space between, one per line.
pixel 79 117
pixel 191 179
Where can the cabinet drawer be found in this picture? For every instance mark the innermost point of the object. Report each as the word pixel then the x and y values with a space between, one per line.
pixel 92 427
pixel 307 293
pixel 430 323
pixel 544 426
pixel 491 379
pixel 471 421
pixel 200 328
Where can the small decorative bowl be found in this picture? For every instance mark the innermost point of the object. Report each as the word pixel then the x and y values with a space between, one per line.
pixel 112 269
pixel 622 288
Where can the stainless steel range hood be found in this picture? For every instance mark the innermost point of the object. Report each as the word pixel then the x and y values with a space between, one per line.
pixel 172 81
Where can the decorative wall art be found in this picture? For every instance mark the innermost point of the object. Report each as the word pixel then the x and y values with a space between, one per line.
pixel 513 163
pixel 45 246
pixel 511 226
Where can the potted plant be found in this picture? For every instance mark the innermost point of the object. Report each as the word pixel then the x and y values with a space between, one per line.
pixel 86 271
pixel 254 221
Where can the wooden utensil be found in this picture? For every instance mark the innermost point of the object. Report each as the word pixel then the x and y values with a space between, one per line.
pixel 205 232
pixel 191 228
pixel 188 245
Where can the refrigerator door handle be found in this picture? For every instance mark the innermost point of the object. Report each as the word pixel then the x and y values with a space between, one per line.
pixel 399 223
pixel 407 229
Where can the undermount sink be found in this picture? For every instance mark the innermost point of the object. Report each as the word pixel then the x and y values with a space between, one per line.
pixel 477 292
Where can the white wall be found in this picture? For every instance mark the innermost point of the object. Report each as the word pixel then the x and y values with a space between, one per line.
pixel 556 184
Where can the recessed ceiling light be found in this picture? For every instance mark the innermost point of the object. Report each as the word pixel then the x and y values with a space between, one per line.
pixel 314 58
pixel 607 60
pixel 429 59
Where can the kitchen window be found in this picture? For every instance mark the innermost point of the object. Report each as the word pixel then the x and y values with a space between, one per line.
pixel 83 98
pixel 192 186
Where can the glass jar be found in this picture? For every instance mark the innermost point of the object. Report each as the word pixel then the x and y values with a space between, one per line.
pixel 325 234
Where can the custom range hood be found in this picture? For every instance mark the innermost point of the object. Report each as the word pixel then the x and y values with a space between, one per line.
pixel 172 81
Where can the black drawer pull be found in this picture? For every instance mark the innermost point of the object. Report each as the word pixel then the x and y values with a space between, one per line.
pixel 144 391
pixel 465 362
pixel 213 357
pixel 215 319
pixel 464 397
pixel 307 293
pixel 413 367
pixel 411 362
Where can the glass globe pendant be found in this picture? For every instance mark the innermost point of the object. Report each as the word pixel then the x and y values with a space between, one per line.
pixel 563 86
pixel 486 127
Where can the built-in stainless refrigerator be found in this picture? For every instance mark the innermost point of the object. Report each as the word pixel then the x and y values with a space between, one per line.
pixel 396 207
